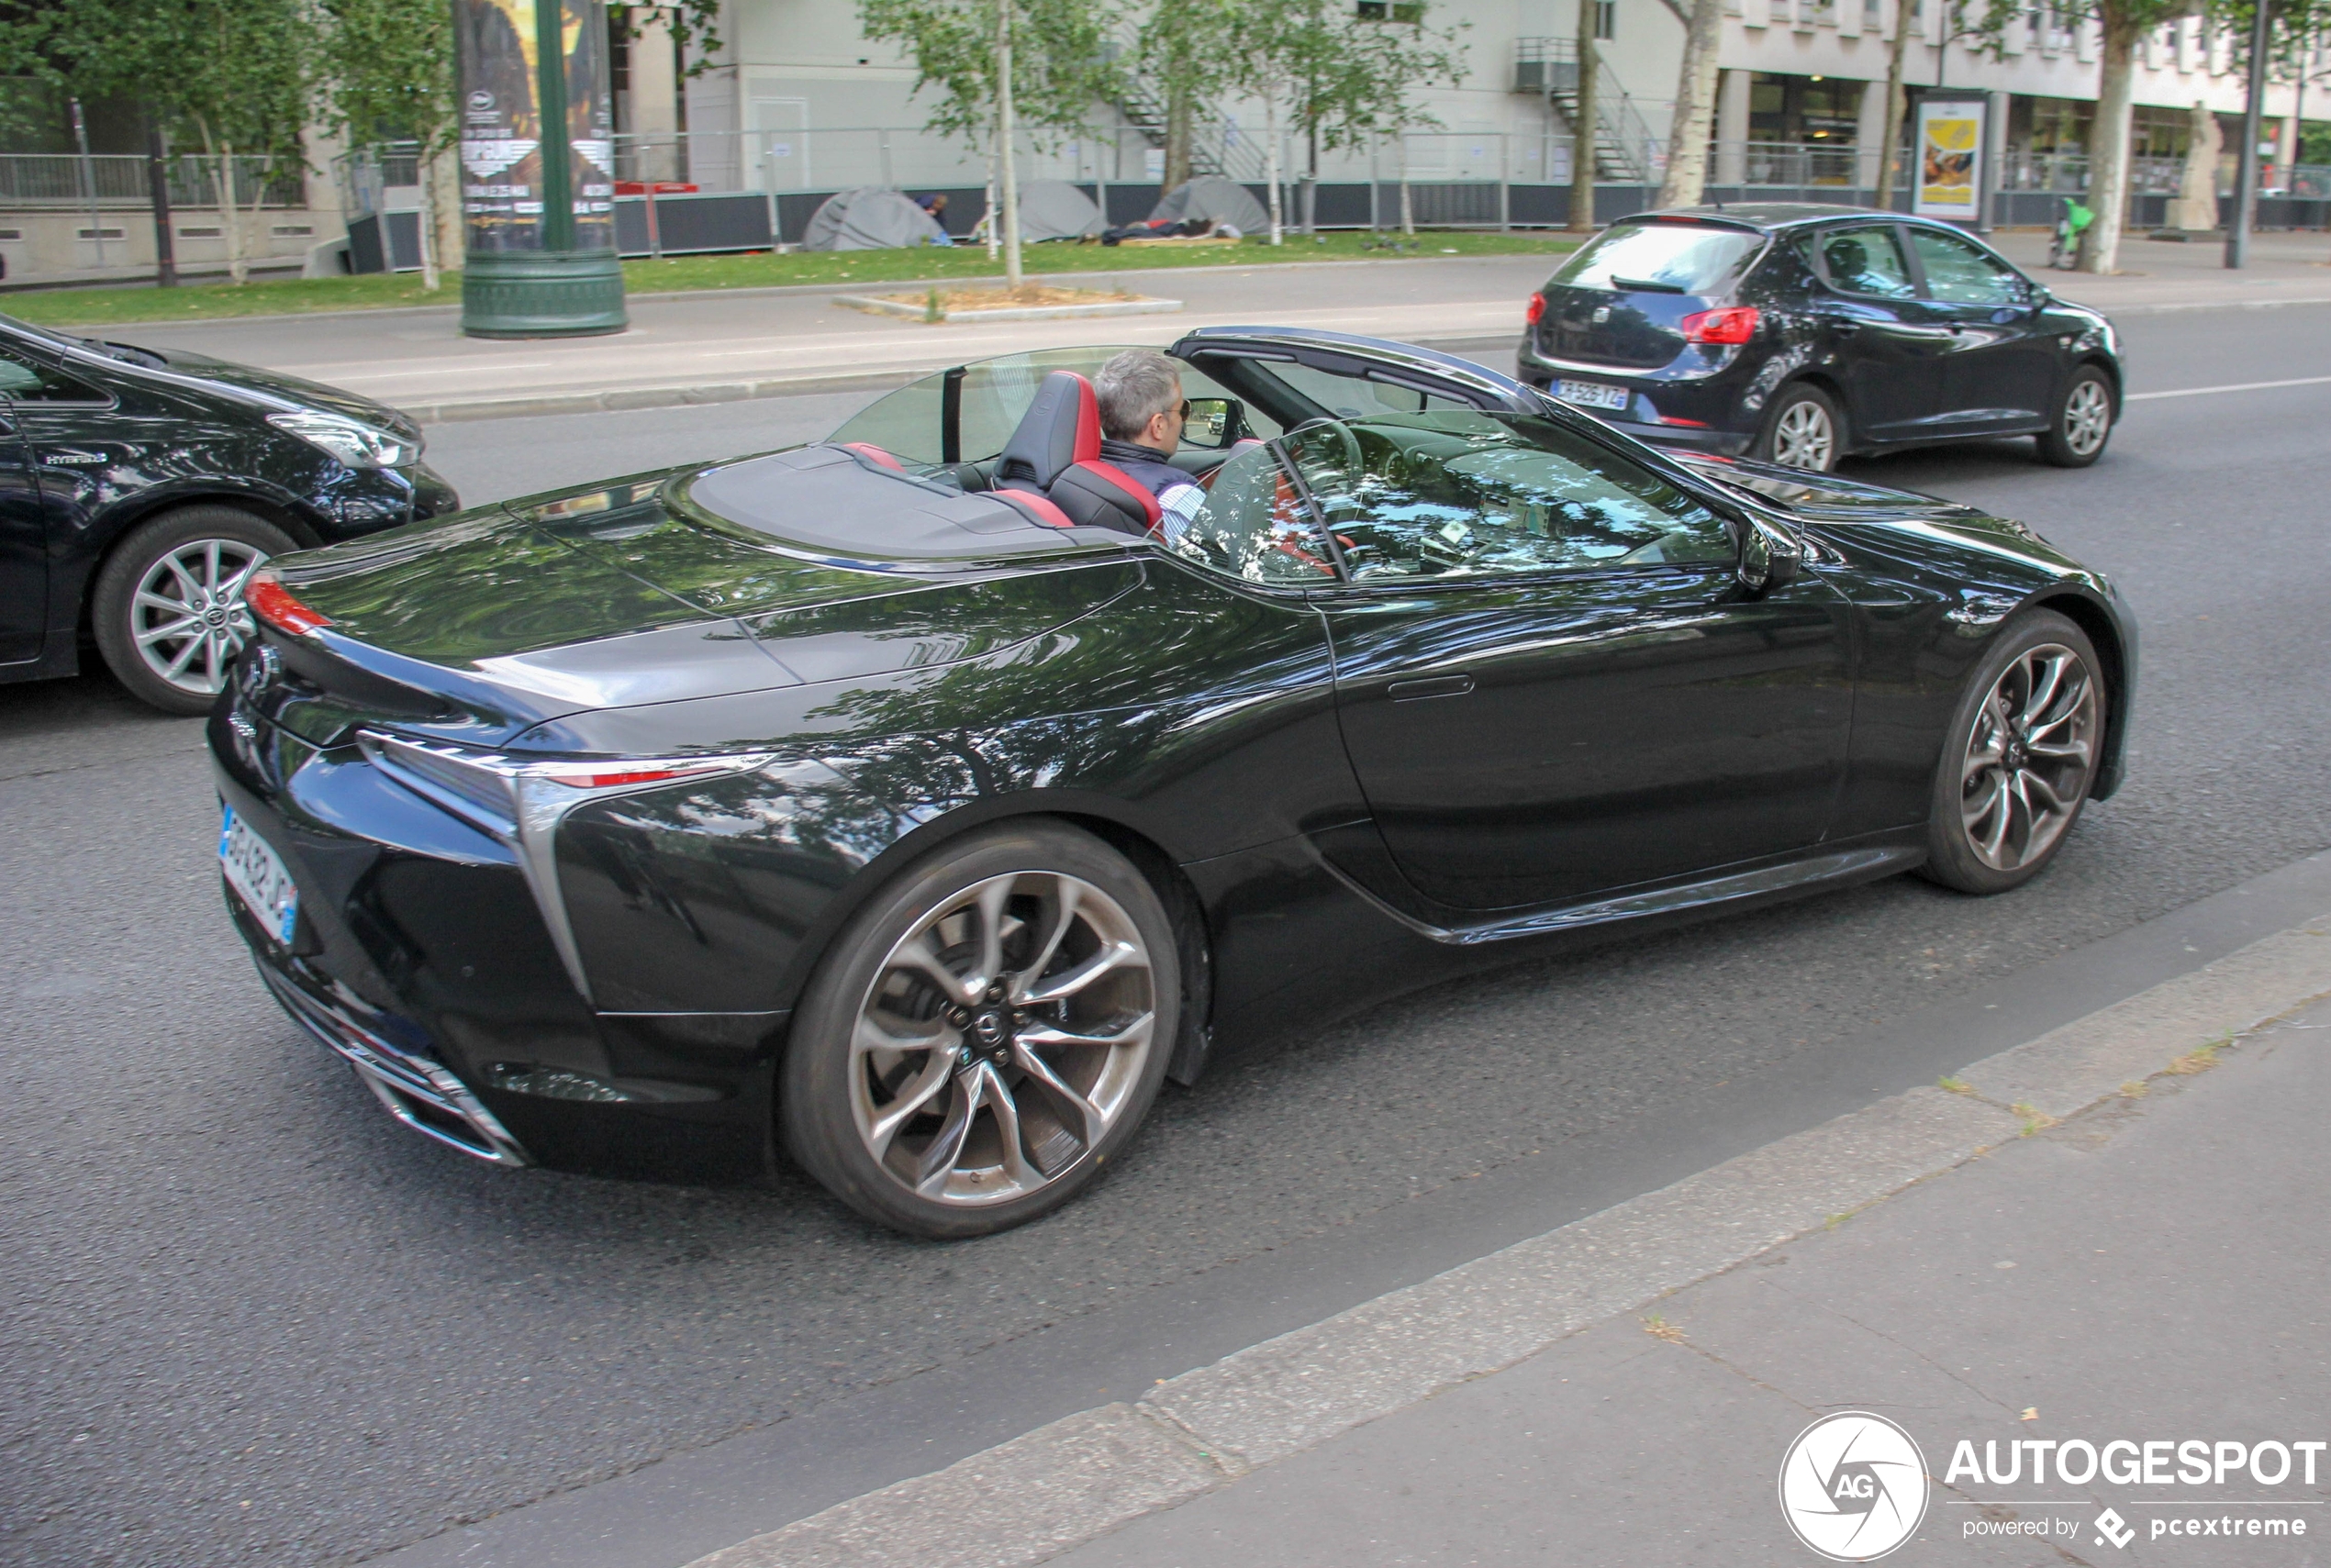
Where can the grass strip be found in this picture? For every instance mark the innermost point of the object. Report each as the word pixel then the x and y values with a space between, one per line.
pixel 213 302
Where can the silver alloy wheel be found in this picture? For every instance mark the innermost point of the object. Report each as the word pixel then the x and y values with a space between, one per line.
pixel 2088 416
pixel 1804 436
pixel 187 619
pixel 2028 756
pixel 1002 1038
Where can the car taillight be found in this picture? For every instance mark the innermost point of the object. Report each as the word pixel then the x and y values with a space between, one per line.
pixel 1733 324
pixel 1536 310
pixel 273 603
pixel 586 776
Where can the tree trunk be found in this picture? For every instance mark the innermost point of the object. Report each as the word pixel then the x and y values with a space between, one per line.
pixel 1180 111
pixel 2108 179
pixel 1687 178
pixel 1897 102
pixel 428 224
pixel 230 215
pixel 1270 160
pixel 1007 177
pixel 1582 129
pixel 1408 208
pixel 453 234
pixel 993 221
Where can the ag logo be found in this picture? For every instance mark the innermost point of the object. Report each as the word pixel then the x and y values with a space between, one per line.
pixel 1853 1487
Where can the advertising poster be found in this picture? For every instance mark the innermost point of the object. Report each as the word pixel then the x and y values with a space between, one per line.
pixel 1950 161
pixel 501 144
pixel 590 124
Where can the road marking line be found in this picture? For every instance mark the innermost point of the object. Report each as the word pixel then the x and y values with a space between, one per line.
pixel 2238 386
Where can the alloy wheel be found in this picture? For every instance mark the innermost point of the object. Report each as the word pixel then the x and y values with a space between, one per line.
pixel 1804 436
pixel 2028 756
pixel 2088 416
pixel 187 619
pixel 1003 1036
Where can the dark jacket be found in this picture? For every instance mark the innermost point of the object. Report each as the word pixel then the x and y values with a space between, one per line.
pixel 1144 466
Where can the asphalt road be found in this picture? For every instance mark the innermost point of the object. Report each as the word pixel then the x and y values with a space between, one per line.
pixel 249 1321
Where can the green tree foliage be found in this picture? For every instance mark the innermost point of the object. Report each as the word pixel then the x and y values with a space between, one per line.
pixel 1186 44
pixel 387 74
pixel 1060 69
pixel 233 73
pixel 1334 78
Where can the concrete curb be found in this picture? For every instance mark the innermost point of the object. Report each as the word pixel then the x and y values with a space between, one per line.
pixel 1028 1499
pixel 881 306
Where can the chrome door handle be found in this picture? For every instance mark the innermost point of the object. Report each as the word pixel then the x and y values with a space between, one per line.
pixel 1432 686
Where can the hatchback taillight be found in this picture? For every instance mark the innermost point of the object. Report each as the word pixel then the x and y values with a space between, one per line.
pixel 1733 324
pixel 273 603
pixel 1533 312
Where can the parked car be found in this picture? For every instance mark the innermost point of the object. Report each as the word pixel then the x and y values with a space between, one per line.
pixel 891 804
pixel 1800 334
pixel 139 487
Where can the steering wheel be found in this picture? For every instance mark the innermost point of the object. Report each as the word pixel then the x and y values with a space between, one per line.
pixel 1353 462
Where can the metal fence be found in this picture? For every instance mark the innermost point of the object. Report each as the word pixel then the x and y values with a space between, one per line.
pixel 30 180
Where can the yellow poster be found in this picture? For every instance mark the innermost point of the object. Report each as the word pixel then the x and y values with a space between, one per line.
pixel 1950 161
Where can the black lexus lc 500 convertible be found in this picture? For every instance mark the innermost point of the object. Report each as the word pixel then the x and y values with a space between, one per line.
pixel 912 804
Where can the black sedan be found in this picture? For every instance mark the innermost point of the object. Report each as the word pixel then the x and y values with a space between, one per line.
pixel 1801 334
pixel 140 488
pixel 890 804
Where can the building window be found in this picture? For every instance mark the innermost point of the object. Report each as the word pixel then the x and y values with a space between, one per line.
pixel 1410 12
pixel 1804 110
pixel 1606 19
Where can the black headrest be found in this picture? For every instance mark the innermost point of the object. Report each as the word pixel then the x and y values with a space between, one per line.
pixel 1062 427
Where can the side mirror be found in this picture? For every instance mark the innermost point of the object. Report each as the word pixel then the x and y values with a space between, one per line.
pixel 1214 422
pixel 1769 558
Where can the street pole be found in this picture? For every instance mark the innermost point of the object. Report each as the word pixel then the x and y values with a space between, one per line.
pixel 1007 177
pixel 537 186
pixel 158 184
pixel 89 181
pixel 1582 134
pixel 2246 168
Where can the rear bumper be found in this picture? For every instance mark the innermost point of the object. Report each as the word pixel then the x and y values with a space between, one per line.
pixel 421 959
pixel 1702 412
pixel 421 1093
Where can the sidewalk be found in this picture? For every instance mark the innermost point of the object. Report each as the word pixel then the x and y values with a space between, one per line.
pixel 2111 1233
pixel 719 347
pixel 716 346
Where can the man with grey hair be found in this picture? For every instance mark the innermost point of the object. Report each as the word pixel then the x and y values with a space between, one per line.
pixel 1142 410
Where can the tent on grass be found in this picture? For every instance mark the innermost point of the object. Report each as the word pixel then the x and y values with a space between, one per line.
pixel 869 217
pixel 1214 199
pixel 1055 209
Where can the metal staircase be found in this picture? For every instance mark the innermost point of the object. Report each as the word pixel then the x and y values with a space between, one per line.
pixel 1625 151
pixel 1143 102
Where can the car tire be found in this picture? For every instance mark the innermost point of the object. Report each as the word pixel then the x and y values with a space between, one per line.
pixel 965 1108
pixel 2019 758
pixel 2076 437
pixel 168 607
pixel 1803 428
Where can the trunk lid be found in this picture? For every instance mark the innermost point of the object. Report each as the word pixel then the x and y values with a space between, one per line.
pixel 479 627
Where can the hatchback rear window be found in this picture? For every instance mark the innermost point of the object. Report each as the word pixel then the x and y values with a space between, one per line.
pixel 1682 258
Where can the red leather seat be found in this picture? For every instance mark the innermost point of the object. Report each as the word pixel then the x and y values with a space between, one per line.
pixel 1055 454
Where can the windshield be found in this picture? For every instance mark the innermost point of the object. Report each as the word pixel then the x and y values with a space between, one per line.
pixel 1442 494
pixel 1678 258
pixel 1475 494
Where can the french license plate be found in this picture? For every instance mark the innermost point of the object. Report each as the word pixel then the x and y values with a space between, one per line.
pixel 1593 395
pixel 258 877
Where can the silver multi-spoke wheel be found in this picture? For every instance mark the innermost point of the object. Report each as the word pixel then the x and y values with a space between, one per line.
pixel 188 619
pixel 1805 435
pixel 2029 757
pixel 2088 417
pixel 1002 1038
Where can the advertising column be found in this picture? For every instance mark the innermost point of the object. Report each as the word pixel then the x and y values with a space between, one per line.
pixel 1949 169
pixel 538 183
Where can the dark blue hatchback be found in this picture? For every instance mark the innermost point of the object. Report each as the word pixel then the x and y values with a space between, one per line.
pixel 1801 334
